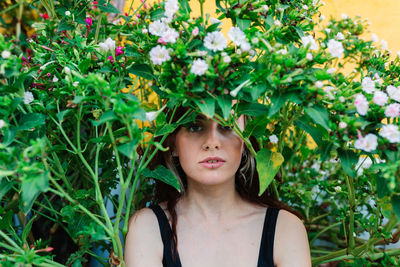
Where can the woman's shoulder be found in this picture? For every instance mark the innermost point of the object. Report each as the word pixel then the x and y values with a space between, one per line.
pixel 291 239
pixel 143 240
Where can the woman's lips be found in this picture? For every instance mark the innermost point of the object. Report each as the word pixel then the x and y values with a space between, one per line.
pixel 212 165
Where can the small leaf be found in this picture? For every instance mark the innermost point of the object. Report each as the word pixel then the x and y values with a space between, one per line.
pixel 381 186
pixel 5 186
pixel 107 116
pixel 348 159
pixel 27 229
pixel 225 103
pixel 319 115
pixel 4 173
pixel 252 109
pixel 277 103
pixel 142 70
pixel 315 133
pixel 207 106
pixel 163 174
pixel 31 187
pixel 165 129
pixel 396 205
pixel 268 164
pixel 243 24
pixel 129 149
pixel 107 7
pixel 60 115
pixel 157 14
pixel 9 135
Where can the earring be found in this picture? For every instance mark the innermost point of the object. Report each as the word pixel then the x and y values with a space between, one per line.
pixel 174 154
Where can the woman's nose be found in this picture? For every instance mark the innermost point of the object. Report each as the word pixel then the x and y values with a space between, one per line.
pixel 212 138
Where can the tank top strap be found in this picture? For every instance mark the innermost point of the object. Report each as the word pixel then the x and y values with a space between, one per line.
pixel 166 236
pixel 266 254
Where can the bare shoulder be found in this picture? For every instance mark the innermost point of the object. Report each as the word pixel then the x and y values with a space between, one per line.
pixel 143 245
pixel 291 247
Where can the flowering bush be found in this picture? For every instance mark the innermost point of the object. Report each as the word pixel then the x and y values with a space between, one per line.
pixel 77 122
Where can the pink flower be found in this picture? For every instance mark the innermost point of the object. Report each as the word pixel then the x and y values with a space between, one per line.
pixel 361 104
pixel 119 51
pixel 392 110
pixel 89 22
pixel 380 98
pixel 111 59
pixel 195 31
pixel 367 143
pixel 44 16
pixel 161 41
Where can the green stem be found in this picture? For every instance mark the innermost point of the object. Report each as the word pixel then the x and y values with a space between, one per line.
pixel 19 19
pixel 323 231
pixel 351 196
pixel 99 18
pixel 10 241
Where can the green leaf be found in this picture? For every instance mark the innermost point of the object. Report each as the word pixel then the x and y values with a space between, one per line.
pixel 256 127
pixel 107 7
pixel 84 65
pixel 207 106
pixel 9 135
pixel 165 129
pixel 4 173
pixel 78 99
pixel 157 14
pixel 277 103
pixel 243 24
pixel 27 229
pixel 64 26
pixel 185 6
pixel 315 133
pixel 5 186
pixel 348 159
pixel 268 164
pixel 31 187
pixel 60 115
pixel 381 186
pixel 31 120
pixel 6 220
pixel 252 109
pixel 142 70
pixel 325 150
pixel 225 103
pixel 319 115
pixel 129 149
pixel 107 116
pixel 256 91
pixel 396 205
pixel 163 174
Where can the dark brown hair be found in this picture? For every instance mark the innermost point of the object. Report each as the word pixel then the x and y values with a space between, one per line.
pixel 246 179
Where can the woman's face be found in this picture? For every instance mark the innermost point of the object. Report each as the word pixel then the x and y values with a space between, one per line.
pixel 209 153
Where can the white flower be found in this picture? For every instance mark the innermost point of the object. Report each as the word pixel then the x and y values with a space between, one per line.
pixel 305 7
pixel 215 41
pixel 367 143
pixel 109 44
pixel 280 9
pixel 199 67
pixel 67 13
pixel 377 79
pixel 309 56
pixel 328 90
pixel 2 123
pixel 391 133
pixel 281 52
pixel 322 17
pixel 374 38
pixel 215 21
pixel 171 7
pixel 328 31
pixel 368 85
pixel 255 40
pixel 363 163
pixel 55 79
pixel 195 31
pixel 67 70
pixel 344 16
pixel 340 36
pixel 159 54
pixel 394 92
pixel 330 70
pixel 145 31
pixel 398 53
pixel 309 41
pixel 158 28
pixel 319 84
pixel 335 48
pixel 277 23
pixel 239 51
pixel 265 7
pixel 384 45
pixel 392 110
pixel 338 189
pixel 75 84
pixel 274 139
pixel 245 47
pixel 151 116
pixel 237 36
pixel 361 104
pixel 342 125
pixel 28 98
pixel 342 99
pixel 380 98
pixel 5 54
pixel 226 59
pixel 170 36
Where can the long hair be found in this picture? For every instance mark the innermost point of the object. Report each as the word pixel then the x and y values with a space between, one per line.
pixel 246 179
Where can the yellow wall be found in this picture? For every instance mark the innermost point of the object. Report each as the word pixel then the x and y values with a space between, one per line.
pixel 384 15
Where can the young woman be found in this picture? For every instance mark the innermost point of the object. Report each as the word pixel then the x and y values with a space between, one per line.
pixel 218 220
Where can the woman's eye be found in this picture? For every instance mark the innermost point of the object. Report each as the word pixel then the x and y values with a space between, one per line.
pixel 194 127
pixel 226 128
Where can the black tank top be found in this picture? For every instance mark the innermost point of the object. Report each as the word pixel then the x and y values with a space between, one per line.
pixel 265 256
